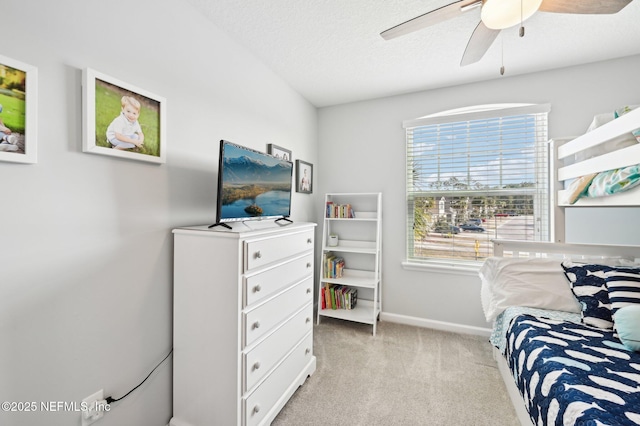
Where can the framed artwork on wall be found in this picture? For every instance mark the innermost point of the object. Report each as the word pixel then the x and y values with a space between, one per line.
pixel 279 152
pixel 122 120
pixel 304 177
pixel 18 110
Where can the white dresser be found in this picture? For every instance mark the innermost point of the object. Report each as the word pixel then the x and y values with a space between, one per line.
pixel 242 326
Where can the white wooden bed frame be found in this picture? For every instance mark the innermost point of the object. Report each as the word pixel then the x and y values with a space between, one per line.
pixel 624 157
pixel 576 252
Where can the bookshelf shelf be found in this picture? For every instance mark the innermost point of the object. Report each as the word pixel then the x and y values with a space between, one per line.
pixel 356 219
pixel 355 278
pixel 348 246
pixel 359 216
pixel 365 312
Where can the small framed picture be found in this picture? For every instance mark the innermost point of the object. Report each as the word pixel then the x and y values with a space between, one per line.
pixel 304 177
pixel 279 152
pixel 18 110
pixel 122 120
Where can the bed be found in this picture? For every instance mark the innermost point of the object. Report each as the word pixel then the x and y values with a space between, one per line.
pixel 558 369
pixel 566 317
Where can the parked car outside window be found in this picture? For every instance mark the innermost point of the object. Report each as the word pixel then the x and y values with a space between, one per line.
pixel 471 227
pixel 448 230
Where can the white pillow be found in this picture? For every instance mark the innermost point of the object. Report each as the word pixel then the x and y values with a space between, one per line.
pixel 600 119
pixel 535 283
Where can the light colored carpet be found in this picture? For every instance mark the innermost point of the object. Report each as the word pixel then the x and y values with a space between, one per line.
pixel 404 376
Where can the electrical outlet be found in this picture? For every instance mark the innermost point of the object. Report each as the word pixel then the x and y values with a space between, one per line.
pixel 94 411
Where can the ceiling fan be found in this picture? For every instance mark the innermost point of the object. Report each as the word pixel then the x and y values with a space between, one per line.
pixel 496 15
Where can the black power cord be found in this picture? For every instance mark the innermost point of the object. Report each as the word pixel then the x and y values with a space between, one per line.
pixel 109 399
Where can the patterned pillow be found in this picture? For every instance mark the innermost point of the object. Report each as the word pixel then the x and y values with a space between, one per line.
pixel 622 111
pixel 588 284
pixel 624 287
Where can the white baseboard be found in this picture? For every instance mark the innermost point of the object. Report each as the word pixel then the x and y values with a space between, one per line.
pixel 437 325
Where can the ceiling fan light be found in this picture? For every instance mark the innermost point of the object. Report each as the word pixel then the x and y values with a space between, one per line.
pixel 501 14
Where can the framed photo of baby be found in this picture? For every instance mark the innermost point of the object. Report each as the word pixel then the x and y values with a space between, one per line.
pixel 304 177
pixel 122 120
pixel 18 109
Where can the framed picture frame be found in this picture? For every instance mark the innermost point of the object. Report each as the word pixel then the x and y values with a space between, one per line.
pixel 122 120
pixel 18 111
pixel 279 152
pixel 304 177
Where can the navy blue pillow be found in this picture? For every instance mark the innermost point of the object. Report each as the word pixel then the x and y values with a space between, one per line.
pixel 588 284
pixel 624 287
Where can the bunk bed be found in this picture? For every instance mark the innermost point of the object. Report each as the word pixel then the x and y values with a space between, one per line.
pixel 566 317
pixel 601 167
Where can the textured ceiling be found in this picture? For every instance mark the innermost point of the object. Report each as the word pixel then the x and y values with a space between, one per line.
pixel 331 52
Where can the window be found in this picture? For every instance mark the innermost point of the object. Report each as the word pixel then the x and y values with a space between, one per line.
pixel 474 175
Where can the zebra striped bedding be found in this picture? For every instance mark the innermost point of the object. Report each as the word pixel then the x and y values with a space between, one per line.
pixel 572 374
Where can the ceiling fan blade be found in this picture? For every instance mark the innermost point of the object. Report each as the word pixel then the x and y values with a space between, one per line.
pixel 480 41
pixel 594 7
pixel 430 18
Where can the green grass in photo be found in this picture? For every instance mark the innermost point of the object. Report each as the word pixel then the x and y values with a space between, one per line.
pixel 13 111
pixel 108 107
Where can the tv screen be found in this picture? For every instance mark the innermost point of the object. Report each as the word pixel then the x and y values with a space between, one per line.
pixel 252 185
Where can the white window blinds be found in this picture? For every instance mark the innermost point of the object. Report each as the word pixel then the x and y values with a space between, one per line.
pixel 473 176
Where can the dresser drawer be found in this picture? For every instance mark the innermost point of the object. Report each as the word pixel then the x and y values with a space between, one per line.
pixel 259 321
pixel 257 405
pixel 261 252
pixel 261 359
pixel 263 284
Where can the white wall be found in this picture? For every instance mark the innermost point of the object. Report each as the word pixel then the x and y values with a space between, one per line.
pixel 85 240
pixel 362 149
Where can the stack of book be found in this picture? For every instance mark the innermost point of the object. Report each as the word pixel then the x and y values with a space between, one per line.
pixel 333 265
pixel 339 210
pixel 338 297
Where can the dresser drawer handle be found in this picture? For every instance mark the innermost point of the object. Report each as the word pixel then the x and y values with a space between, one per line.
pixel 307 351
pixel 308 290
pixel 256 325
pixel 308 264
pixel 257 255
pixel 257 288
pixel 256 409
pixel 309 240
pixel 308 320
pixel 256 366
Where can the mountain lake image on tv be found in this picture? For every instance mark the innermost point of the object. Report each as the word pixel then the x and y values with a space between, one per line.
pixel 252 185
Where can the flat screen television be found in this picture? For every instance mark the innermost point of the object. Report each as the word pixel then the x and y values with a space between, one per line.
pixel 252 185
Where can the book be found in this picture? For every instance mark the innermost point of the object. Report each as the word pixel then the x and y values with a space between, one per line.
pixel 329 212
pixel 353 297
pixel 333 297
pixel 339 297
pixel 327 296
pixel 339 210
pixel 333 265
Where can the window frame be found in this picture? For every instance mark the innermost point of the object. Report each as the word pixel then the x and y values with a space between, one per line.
pixel 479 112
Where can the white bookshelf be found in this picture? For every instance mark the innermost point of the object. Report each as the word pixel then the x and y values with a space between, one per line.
pixel 360 245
